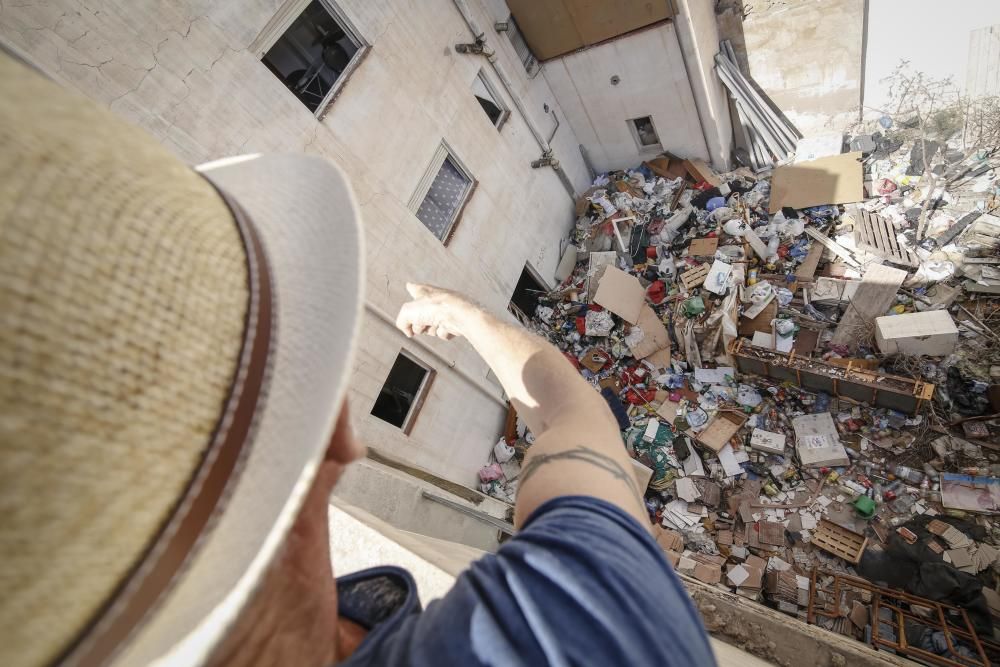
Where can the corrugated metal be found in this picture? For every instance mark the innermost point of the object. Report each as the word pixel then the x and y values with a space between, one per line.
pixel 520 46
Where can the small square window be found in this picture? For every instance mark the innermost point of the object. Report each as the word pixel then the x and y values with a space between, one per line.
pixel 313 54
pixel 403 393
pixel 644 132
pixel 442 194
pixel 524 300
pixel 489 100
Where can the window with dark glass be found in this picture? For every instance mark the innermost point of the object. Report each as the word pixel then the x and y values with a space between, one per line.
pixel 444 198
pixel 312 54
pixel 489 100
pixel 403 392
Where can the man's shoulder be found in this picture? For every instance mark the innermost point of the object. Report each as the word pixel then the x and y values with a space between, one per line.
pixel 582 582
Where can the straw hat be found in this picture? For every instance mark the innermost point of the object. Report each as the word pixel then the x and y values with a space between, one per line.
pixel 174 348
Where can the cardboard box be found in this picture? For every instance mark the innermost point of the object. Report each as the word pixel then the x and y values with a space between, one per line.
pixel 817 441
pixel 765 441
pixel 621 293
pixel 932 333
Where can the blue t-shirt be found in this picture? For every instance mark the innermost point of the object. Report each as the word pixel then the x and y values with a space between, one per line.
pixel 582 583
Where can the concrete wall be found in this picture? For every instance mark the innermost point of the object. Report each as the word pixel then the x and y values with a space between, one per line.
pixel 805 54
pixel 699 36
pixel 653 82
pixel 182 70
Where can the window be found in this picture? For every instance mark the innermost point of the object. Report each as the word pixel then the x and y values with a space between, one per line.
pixel 312 48
pixel 489 100
pixel 521 47
pixel 644 132
pixel 524 300
pixel 404 392
pixel 442 194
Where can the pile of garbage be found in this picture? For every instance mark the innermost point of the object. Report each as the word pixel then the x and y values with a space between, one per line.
pixel 804 364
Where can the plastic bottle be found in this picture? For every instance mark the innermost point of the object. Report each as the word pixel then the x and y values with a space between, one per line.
pixel 909 474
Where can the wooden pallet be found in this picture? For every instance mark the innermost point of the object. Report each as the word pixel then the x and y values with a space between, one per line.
pixel 694 277
pixel 877 235
pixel 839 541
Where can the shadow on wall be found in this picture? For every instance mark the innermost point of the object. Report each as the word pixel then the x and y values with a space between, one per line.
pixel 730 15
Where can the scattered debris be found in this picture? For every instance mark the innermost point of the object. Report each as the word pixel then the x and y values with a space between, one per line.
pixel 812 391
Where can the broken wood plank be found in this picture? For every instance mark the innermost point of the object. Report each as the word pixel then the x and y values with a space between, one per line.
pixel 876 293
pixel 807 269
pixel 835 248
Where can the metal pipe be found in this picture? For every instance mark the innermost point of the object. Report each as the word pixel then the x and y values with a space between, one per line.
pixel 391 321
pixel 554 129
pixel 491 58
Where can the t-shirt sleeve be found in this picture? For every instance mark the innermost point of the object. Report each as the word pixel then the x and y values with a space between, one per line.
pixel 581 583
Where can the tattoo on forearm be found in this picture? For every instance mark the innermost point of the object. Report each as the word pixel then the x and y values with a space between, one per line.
pixel 584 455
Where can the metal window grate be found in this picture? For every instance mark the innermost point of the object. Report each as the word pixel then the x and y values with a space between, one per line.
pixel 521 47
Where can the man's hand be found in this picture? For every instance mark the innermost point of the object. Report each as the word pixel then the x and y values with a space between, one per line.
pixel 578 448
pixel 433 311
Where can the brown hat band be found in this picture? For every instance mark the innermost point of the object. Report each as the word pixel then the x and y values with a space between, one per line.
pixel 145 586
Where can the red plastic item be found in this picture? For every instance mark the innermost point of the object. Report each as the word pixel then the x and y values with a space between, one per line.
pixel 651 252
pixel 640 396
pixel 581 324
pixel 656 292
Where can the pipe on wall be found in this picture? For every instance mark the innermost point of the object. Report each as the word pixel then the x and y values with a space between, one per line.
pixel 548 158
pixel 475 382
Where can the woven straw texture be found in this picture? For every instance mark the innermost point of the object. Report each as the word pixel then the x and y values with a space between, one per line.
pixel 123 290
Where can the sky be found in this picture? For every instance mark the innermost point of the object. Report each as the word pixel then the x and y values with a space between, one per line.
pixel 932 34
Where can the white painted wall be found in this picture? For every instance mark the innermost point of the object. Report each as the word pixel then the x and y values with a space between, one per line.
pixel 182 71
pixel 698 30
pixel 653 83
pixel 932 36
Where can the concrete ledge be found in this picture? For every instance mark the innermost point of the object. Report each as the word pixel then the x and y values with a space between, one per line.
pixel 776 637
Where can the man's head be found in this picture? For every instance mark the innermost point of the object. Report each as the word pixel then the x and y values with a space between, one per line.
pixel 174 346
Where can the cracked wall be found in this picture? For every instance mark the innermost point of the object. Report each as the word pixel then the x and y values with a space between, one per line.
pixel 182 70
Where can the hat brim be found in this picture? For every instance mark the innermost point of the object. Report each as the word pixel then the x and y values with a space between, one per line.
pixel 307 218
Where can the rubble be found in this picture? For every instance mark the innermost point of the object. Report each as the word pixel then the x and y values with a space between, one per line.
pixel 815 389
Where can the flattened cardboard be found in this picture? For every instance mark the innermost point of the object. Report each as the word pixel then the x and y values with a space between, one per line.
pixel 594 359
pixel 838 179
pixel 702 172
pixel 599 263
pixel 703 247
pixel 622 294
pixel 654 334
pixel 762 322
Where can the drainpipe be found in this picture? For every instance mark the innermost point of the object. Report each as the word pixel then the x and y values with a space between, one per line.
pixel 547 158
pixel 475 382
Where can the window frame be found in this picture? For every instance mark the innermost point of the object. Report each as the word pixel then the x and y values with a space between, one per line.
pixel 658 146
pixel 497 98
pixel 419 397
pixel 443 152
pixel 537 277
pixel 282 21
